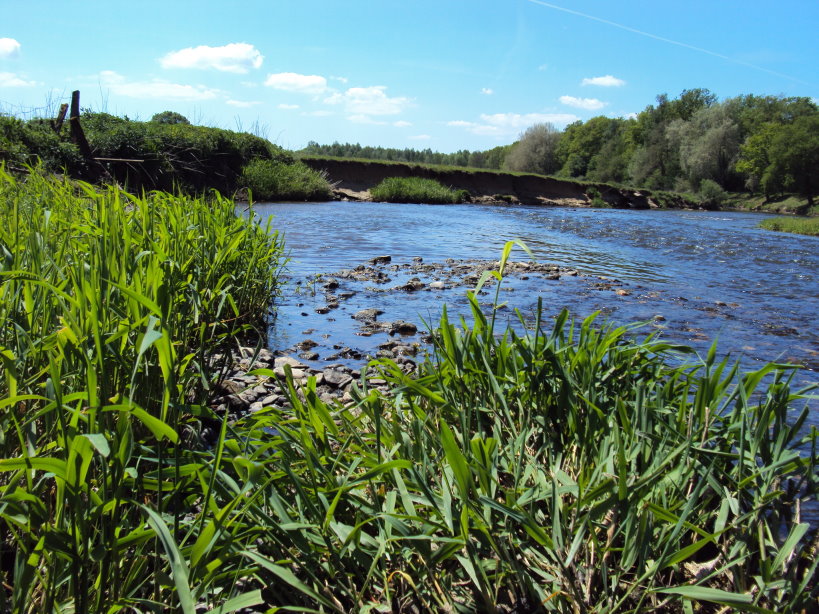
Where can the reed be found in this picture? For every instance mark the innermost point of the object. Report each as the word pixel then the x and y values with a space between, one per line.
pixel 798 225
pixel 571 469
pixel 416 190
pixel 110 306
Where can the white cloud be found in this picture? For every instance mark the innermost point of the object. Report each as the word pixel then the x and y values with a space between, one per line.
pixel 420 137
pixel 590 104
pixel 630 116
pixel 235 57
pixel 317 113
pixel 340 79
pixel 294 82
pixel 543 67
pixel 487 91
pixel 401 124
pixel 9 79
pixel 605 81
pixel 507 124
pixel 288 107
pixel 243 104
pixel 154 89
pixel 369 101
pixel 9 49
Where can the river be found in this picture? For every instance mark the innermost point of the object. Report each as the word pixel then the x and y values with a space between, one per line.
pixel 694 276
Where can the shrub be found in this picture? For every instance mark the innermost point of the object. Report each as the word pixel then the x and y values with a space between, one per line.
pixel 415 190
pixel 711 193
pixel 277 180
pixel 170 117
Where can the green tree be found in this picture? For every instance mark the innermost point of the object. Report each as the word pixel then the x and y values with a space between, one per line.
pixel 170 117
pixel 535 152
pixel 795 154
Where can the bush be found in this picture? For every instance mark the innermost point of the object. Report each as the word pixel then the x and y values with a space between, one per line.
pixel 175 156
pixel 170 117
pixel 711 193
pixel 416 190
pixel 277 180
pixel 27 142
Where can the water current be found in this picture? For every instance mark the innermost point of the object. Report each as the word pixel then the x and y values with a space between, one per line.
pixel 694 276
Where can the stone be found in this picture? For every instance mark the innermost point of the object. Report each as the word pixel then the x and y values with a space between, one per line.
pixel 403 328
pixel 367 315
pixel 288 360
pixel 337 378
pixel 437 285
pixel 381 260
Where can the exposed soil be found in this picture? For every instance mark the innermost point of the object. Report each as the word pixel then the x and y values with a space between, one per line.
pixel 354 178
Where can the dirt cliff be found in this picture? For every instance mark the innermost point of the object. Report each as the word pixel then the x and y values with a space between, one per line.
pixel 357 176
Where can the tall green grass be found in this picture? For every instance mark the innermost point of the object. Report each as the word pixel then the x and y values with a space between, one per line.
pixel 572 469
pixel 416 190
pixel 798 225
pixel 111 307
pixel 273 180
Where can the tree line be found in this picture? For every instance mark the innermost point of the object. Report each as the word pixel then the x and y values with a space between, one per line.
pixel 693 143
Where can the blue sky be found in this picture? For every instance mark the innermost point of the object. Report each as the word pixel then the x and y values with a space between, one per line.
pixel 444 74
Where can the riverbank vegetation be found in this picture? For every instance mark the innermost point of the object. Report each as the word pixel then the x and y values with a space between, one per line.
pixel 750 144
pixel 416 190
pixel 575 468
pixel 276 180
pixel 111 310
pixel 166 153
pixel 798 225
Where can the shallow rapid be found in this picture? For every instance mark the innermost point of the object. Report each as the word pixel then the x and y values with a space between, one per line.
pixel 693 276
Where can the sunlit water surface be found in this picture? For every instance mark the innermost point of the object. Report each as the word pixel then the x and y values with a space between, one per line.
pixel 707 275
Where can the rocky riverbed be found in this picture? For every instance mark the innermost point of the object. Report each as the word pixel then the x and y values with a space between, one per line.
pixel 355 297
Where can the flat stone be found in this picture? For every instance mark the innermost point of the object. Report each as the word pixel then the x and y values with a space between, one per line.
pixel 367 315
pixel 337 378
pixel 289 360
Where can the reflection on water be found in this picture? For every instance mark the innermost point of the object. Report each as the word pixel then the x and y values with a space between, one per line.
pixel 707 274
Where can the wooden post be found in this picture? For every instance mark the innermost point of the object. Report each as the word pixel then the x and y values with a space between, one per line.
pixel 57 124
pixel 77 135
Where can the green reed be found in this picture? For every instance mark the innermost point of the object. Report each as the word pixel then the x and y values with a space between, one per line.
pixel 416 190
pixel 571 469
pixel 110 308
pixel 798 225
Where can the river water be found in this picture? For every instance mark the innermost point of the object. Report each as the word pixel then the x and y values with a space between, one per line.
pixel 694 276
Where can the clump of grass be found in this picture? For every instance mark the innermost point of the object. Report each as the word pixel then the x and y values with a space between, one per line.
pixel 111 307
pixel 798 225
pixel 271 180
pixel 569 469
pixel 415 190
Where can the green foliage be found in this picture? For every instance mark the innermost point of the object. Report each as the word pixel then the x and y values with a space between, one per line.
pixel 175 155
pixel 275 180
pixel 415 190
pixel 24 143
pixel 797 225
pixel 111 309
pixel 170 117
pixel 492 158
pixel 711 193
pixel 536 151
